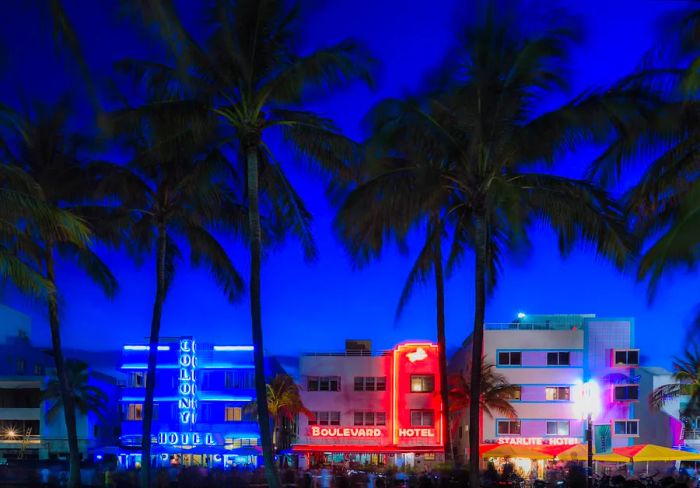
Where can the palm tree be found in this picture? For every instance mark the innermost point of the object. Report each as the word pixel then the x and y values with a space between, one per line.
pixel 686 373
pixel 48 157
pixel 483 139
pixel 88 398
pixel 171 192
pixel 255 81
pixel 283 402
pixel 496 394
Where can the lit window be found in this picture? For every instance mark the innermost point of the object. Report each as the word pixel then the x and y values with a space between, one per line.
pixel 626 357
pixel 422 383
pixel 557 393
pixel 510 358
pixel 232 414
pixel 628 428
pixel 558 427
pixel 508 427
pixel 558 358
pixel 626 393
pixel 515 392
pixel 422 418
pixel 134 411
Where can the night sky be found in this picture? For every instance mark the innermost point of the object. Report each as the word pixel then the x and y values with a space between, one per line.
pixel 313 307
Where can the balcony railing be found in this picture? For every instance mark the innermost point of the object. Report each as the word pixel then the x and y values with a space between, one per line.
pixel 691 434
pixel 553 325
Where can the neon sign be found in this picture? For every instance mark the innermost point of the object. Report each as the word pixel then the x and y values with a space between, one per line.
pixel 187 385
pixel 186 439
pixel 344 432
pixel 416 433
pixel 418 355
pixel 538 441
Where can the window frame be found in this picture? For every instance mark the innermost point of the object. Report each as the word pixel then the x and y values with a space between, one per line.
pixel 558 389
pixel 422 378
pixel 627 423
pixel 424 414
pixel 626 364
pixel 557 423
pixel 235 412
pixel 627 387
pixel 519 396
pixel 558 356
pixel 510 362
pixel 510 423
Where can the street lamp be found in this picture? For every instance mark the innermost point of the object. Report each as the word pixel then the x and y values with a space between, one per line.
pixel 587 406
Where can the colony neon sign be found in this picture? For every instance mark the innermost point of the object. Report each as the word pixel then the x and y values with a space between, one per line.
pixel 186 439
pixel 187 386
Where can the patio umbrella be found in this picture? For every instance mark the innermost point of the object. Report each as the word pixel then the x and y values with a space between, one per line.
pixel 652 452
pixel 576 452
pixel 486 447
pixel 511 451
pixel 611 457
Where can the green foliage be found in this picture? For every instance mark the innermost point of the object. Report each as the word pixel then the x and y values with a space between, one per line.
pixel 88 398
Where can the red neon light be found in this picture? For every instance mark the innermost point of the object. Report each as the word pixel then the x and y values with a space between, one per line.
pixel 418 355
pixel 344 432
pixel 416 432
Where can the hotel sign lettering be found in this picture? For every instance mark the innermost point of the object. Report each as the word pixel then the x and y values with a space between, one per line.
pixel 538 441
pixel 416 432
pixel 187 386
pixel 186 439
pixel 344 432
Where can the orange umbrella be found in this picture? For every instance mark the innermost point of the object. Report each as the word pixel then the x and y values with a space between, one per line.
pixel 575 452
pixel 486 447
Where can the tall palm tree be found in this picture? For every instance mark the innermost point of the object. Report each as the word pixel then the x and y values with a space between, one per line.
pixel 256 82
pixel 283 402
pixel 50 158
pixel 496 394
pixel 484 140
pixel 87 398
pixel 170 192
pixel 686 373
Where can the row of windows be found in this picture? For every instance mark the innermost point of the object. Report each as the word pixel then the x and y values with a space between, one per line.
pixel 236 379
pixel 563 427
pixel 370 383
pixel 21 366
pixel 563 393
pixel 621 357
pixel 134 412
pixel 419 418
pixel 420 383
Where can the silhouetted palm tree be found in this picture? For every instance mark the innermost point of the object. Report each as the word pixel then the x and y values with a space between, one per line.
pixel 87 398
pixel 170 192
pixel 254 79
pixel 686 372
pixel 41 146
pixel 483 139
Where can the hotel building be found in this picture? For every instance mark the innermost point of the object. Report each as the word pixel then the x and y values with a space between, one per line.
pixel 548 357
pixel 201 404
pixel 371 407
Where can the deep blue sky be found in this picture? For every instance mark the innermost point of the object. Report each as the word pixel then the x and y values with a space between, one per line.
pixel 316 306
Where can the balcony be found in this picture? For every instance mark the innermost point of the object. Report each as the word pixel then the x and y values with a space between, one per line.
pixel 691 434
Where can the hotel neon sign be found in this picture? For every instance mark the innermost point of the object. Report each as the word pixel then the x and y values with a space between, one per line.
pixel 344 432
pixel 186 439
pixel 416 432
pixel 538 441
pixel 187 386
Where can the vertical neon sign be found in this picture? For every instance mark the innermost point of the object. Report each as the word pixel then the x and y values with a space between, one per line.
pixel 187 387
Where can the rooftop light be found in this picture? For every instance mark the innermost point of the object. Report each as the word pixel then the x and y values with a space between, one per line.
pixel 145 348
pixel 233 348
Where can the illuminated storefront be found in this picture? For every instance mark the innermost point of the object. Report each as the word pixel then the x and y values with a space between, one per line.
pixel 371 408
pixel 200 414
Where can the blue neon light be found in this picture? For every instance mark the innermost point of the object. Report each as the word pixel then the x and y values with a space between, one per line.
pixel 225 398
pixel 145 366
pixel 233 348
pixel 145 348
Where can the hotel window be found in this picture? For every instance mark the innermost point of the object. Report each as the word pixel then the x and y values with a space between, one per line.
pixel 422 383
pixel 560 358
pixel 626 427
pixel 370 383
pixel 38 369
pixel 134 411
pixel 232 414
pixel 324 383
pixel 325 418
pixel 380 418
pixel 515 392
pixel 138 380
pixel 243 379
pixel 558 427
pixel 557 393
pixel 626 357
pixel 626 393
pixel 21 364
pixel 370 418
pixel 508 427
pixel 422 418
pixel 510 358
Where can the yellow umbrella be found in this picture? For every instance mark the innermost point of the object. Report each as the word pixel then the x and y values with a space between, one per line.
pixel 611 458
pixel 652 452
pixel 511 451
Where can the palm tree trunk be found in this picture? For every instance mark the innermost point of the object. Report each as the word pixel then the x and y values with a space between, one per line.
pixel 61 373
pixel 154 338
pixel 477 351
pixel 440 308
pixel 256 315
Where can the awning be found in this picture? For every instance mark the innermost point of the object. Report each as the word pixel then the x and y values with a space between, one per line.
pixel 652 452
pixel 512 451
pixel 611 457
pixel 577 452
pixel 361 449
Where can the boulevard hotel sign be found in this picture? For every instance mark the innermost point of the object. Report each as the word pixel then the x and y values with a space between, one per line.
pixel 411 402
